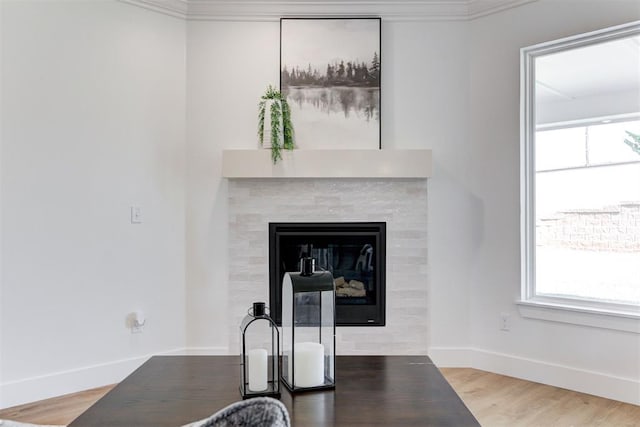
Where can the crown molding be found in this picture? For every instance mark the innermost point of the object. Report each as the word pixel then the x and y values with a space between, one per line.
pixel 273 10
pixel 176 8
pixel 479 8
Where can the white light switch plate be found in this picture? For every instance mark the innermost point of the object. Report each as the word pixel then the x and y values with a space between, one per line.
pixel 136 215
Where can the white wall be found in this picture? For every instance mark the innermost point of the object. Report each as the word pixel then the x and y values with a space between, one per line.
pixel 93 106
pixel 93 121
pixel 229 66
pixel 594 360
pixel 449 86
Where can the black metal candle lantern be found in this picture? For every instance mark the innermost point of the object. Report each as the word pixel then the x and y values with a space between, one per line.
pixel 309 329
pixel 259 360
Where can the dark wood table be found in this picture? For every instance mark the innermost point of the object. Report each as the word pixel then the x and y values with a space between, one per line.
pixel 370 391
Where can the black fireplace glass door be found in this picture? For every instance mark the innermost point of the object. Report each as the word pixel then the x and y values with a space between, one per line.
pixel 352 252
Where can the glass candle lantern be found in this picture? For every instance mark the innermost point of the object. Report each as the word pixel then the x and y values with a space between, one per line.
pixel 308 329
pixel 259 358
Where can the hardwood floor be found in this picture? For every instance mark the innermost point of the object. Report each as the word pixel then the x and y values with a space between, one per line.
pixel 58 410
pixel 495 400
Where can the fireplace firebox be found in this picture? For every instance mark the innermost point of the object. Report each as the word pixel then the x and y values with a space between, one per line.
pixel 354 252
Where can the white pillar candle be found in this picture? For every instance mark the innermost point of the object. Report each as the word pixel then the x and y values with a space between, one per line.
pixel 309 364
pixel 258 369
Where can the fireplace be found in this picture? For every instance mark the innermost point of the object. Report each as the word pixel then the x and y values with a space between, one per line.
pixel 354 252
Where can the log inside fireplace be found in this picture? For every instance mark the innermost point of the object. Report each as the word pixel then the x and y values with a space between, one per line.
pixel 354 252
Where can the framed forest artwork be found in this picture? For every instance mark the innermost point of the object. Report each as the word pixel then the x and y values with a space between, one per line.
pixel 330 74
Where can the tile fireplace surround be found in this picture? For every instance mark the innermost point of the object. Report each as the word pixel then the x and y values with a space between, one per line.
pixel 401 203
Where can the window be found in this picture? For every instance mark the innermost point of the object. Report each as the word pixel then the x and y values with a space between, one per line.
pixel 587 213
pixel 581 173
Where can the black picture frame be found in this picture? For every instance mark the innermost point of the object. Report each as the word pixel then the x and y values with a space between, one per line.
pixel 330 72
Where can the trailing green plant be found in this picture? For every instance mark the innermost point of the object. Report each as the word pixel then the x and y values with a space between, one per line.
pixel 279 112
pixel 634 142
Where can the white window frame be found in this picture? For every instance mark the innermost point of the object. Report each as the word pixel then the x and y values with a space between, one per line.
pixel 624 317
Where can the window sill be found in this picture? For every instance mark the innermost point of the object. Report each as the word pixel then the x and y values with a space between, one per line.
pixel 627 321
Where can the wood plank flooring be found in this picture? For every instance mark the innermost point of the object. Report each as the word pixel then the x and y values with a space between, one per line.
pixel 495 400
pixel 57 410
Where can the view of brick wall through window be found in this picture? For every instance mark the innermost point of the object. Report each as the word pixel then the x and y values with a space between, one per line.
pixel 587 212
pixel 614 229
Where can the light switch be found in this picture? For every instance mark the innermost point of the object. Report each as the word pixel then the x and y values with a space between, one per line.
pixel 136 215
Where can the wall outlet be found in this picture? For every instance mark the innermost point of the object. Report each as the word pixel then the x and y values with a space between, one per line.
pixel 137 329
pixel 505 322
pixel 135 322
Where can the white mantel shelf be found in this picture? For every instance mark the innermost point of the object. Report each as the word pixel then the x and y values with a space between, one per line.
pixel 327 164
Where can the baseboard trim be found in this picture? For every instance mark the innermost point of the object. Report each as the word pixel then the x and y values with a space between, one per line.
pixel 450 357
pixel 54 384
pixel 590 382
pixel 627 390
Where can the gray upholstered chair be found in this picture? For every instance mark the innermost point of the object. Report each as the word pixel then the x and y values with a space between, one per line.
pixel 256 412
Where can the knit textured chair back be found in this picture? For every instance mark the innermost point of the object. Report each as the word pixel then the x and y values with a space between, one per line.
pixel 256 412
